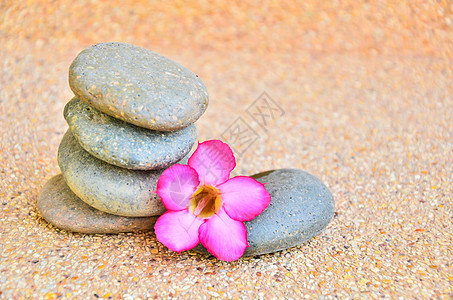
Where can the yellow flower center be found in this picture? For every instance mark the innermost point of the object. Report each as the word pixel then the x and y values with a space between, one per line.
pixel 205 202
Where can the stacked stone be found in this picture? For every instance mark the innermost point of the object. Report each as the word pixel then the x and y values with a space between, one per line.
pixel 132 117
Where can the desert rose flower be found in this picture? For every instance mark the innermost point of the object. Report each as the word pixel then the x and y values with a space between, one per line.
pixel 204 205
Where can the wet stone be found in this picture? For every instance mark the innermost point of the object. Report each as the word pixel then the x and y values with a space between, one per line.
pixel 301 208
pixel 138 86
pixel 123 144
pixel 63 209
pixel 106 187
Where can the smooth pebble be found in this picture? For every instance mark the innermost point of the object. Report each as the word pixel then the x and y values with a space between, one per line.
pixel 301 208
pixel 106 187
pixel 138 86
pixel 63 209
pixel 123 144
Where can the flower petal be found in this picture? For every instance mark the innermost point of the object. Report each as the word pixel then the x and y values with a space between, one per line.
pixel 213 160
pixel 243 197
pixel 176 185
pixel 224 237
pixel 178 230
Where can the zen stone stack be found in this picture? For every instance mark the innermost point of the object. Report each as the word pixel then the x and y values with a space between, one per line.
pixel 132 117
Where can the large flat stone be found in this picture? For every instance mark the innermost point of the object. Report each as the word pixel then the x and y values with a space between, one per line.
pixel 109 188
pixel 63 209
pixel 301 208
pixel 138 86
pixel 123 144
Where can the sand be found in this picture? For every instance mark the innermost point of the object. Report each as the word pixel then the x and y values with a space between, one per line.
pixel 367 95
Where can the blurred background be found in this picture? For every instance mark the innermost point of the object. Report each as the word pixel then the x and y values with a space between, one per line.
pixel 317 59
pixel 365 102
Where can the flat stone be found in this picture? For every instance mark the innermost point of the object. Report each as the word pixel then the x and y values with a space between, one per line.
pixel 106 187
pixel 301 208
pixel 138 86
pixel 63 209
pixel 123 144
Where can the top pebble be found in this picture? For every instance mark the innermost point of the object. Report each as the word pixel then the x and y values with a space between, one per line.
pixel 138 86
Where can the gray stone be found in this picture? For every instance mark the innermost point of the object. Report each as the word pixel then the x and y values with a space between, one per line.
pixel 106 187
pixel 301 207
pixel 63 209
pixel 123 144
pixel 138 86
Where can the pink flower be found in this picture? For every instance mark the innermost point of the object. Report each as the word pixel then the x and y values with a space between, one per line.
pixel 204 205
